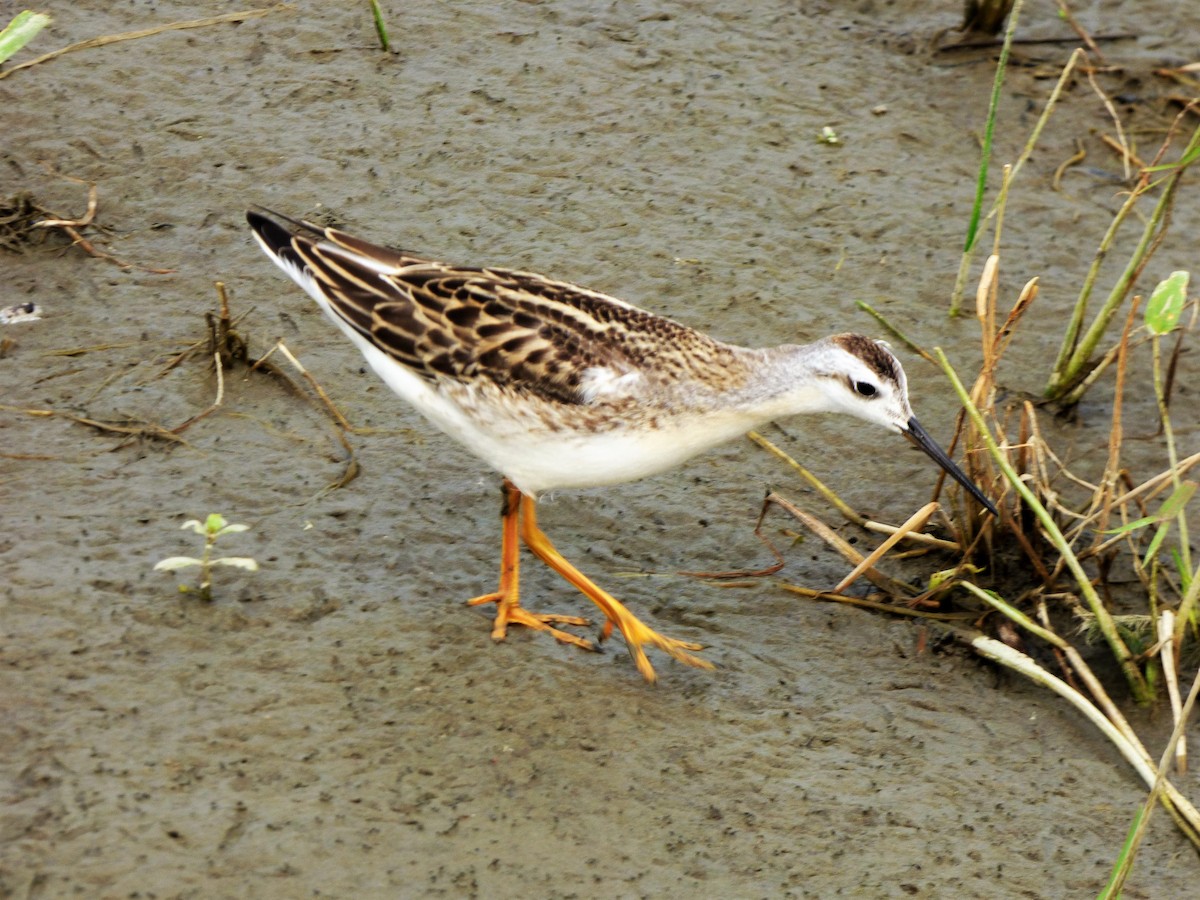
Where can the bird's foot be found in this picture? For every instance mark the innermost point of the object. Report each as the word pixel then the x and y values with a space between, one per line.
pixel 637 635
pixel 510 612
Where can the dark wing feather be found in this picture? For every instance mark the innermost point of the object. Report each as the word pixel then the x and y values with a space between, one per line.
pixel 521 331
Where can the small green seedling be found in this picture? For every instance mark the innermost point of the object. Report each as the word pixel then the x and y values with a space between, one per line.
pixel 212 528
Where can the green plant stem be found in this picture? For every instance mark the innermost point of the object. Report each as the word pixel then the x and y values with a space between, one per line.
pixel 964 266
pixel 1137 682
pixel 985 160
pixel 1164 414
pixel 1141 819
pixel 380 26
pixel 1073 357
pixel 1071 335
pixel 210 540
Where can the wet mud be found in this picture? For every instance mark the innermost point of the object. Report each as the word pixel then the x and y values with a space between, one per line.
pixel 339 724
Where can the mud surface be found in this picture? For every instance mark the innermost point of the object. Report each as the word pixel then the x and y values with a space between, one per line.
pixel 340 724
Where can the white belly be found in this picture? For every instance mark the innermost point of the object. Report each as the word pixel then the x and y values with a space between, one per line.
pixel 537 459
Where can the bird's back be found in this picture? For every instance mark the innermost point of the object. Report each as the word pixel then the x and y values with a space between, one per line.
pixel 517 331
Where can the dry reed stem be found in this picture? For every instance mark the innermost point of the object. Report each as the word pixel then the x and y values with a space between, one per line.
pixel 329 405
pixel 877 605
pixel 834 540
pixel 1166 635
pixel 342 425
pixel 1102 499
pixel 1122 143
pixel 216 404
pixel 914 523
pixel 917 537
pixel 1005 335
pixel 105 40
pixel 819 486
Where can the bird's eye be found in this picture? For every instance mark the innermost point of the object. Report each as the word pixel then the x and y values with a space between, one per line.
pixel 864 388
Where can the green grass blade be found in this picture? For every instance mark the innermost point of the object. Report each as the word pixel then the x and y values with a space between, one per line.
pixel 380 27
pixel 989 130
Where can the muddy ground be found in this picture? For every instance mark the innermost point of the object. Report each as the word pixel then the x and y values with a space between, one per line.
pixel 340 724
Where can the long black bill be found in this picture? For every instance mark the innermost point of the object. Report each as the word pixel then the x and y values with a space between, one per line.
pixel 921 438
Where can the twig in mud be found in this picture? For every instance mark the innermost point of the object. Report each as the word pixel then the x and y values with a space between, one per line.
pixel 1065 12
pixel 179 429
pixel 330 406
pixel 342 425
pixel 84 220
pixel 914 523
pixel 19 223
pixel 834 540
pixel 1121 143
pixel 819 486
pixel 749 573
pixel 145 32
pixel 879 606
pixel 94 348
pixel 139 430
pixel 223 342
pixel 1123 151
pixel 1074 159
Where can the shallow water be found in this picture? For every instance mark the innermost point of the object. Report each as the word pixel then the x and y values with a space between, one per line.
pixel 339 724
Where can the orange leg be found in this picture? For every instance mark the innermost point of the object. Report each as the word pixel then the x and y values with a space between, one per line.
pixel 508 598
pixel 635 633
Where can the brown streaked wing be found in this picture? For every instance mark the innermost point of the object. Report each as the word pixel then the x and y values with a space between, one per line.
pixel 518 330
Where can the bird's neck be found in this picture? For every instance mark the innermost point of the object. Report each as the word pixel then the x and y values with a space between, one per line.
pixel 783 382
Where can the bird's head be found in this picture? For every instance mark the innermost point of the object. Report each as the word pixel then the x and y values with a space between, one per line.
pixel 861 377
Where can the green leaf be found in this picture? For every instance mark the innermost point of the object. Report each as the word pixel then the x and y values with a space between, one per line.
pixel 1171 507
pixel 237 562
pixel 20 31
pixel 214 523
pixel 1186 160
pixel 1156 542
pixel 171 563
pixel 1133 526
pixel 233 529
pixel 1166 303
pixel 938 579
pixel 1180 497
